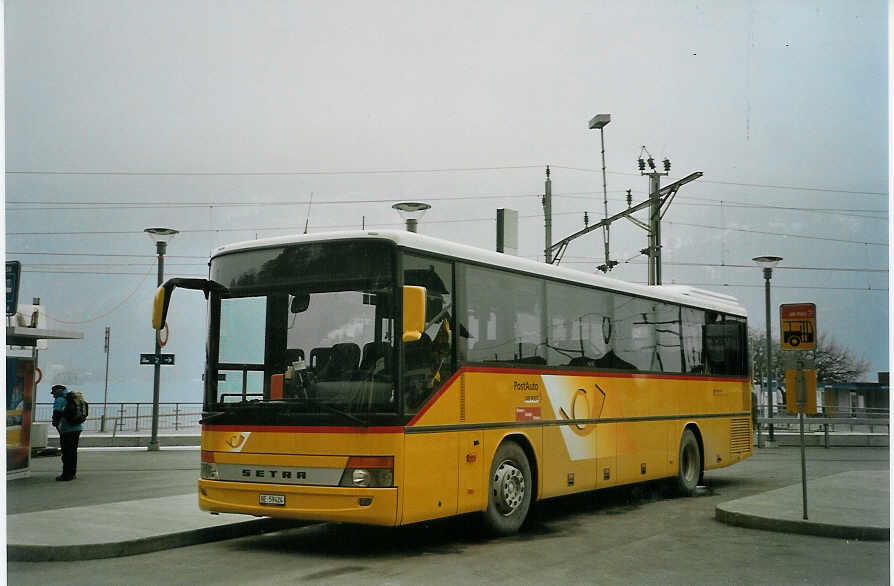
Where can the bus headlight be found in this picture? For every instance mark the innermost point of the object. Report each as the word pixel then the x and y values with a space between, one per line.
pixel 209 471
pixel 209 467
pixel 368 472
pixel 361 477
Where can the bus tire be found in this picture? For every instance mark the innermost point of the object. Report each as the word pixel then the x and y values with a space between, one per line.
pixel 689 464
pixel 509 490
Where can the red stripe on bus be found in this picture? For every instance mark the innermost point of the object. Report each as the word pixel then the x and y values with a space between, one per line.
pixel 303 428
pixel 436 396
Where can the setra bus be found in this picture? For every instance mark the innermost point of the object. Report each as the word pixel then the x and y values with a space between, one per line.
pixel 387 378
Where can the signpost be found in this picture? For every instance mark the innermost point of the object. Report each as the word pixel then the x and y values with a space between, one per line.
pixel 13 278
pixel 798 325
pixel 160 359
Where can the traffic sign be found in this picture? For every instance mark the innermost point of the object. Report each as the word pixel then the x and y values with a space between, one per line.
pixel 798 324
pixel 13 278
pixel 161 359
pixel 793 389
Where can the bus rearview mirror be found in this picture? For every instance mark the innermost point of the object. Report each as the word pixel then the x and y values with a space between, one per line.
pixel 414 313
pixel 160 308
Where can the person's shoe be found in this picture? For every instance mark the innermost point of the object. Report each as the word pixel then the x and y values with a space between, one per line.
pixel 63 478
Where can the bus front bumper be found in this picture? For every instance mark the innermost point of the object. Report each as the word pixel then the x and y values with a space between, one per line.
pixel 370 506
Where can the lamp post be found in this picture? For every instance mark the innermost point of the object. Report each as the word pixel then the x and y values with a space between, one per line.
pixel 600 121
pixel 161 237
pixel 768 263
pixel 411 212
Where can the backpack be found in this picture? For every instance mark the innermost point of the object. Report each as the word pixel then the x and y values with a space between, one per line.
pixel 76 408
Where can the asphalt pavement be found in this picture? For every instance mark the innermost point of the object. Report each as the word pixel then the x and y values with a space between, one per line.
pixel 127 501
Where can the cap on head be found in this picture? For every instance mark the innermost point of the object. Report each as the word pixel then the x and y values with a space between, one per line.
pixel 57 389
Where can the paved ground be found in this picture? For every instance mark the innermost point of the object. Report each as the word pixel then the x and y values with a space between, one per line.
pixel 628 535
pixel 128 501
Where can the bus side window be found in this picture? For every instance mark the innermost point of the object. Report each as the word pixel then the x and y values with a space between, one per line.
pixel 429 361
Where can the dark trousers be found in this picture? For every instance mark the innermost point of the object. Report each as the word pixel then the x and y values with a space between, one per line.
pixel 69 443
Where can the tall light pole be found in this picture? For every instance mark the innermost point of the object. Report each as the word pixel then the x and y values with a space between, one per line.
pixel 105 395
pixel 600 121
pixel 411 212
pixel 768 263
pixel 161 237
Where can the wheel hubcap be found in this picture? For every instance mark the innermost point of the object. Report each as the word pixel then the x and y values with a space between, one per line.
pixel 508 488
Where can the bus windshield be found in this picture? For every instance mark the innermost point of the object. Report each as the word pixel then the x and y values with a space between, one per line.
pixel 304 329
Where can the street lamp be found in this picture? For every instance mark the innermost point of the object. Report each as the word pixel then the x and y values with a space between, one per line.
pixel 768 263
pixel 600 121
pixel 411 212
pixel 161 237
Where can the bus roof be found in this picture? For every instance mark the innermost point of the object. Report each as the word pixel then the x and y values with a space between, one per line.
pixel 682 294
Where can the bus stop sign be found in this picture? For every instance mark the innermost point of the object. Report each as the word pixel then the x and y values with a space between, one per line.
pixel 798 324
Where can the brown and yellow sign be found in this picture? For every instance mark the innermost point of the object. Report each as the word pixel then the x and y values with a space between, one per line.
pixel 798 324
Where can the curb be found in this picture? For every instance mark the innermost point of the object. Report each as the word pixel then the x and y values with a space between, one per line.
pixel 801 526
pixel 95 551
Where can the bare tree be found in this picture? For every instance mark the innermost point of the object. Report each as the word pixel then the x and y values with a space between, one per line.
pixel 834 363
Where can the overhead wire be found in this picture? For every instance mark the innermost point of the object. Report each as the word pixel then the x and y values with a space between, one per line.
pixel 75 172
pixel 107 313
pixel 269 173
pixel 738 183
pixel 444 221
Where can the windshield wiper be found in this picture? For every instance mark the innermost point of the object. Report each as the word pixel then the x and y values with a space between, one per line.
pixel 210 416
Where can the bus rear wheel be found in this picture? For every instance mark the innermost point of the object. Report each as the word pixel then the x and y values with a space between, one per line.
pixel 509 490
pixel 689 464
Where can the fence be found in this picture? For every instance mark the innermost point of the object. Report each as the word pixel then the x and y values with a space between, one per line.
pixel 133 417
pixel 831 419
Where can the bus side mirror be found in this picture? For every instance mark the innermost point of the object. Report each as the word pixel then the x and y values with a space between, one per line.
pixel 160 306
pixel 163 296
pixel 414 313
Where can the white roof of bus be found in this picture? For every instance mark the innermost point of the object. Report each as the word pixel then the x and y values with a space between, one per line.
pixel 675 293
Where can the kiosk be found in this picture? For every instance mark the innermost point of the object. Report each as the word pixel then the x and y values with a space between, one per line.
pixel 22 377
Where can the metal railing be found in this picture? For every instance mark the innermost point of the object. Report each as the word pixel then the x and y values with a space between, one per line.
pixel 863 420
pixel 132 417
pixel 832 418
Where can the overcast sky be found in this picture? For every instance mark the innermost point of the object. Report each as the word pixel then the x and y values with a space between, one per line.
pixel 117 110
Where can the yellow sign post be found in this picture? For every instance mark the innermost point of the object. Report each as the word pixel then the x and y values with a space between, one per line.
pixel 797 323
pixel 793 391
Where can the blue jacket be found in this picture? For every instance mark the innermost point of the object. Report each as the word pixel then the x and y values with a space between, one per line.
pixel 64 425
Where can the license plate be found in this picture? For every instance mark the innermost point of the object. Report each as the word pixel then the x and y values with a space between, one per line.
pixel 277 500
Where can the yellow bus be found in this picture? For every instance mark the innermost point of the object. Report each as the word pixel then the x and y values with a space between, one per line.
pixel 389 378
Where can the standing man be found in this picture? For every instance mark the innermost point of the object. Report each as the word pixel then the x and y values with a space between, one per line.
pixel 69 434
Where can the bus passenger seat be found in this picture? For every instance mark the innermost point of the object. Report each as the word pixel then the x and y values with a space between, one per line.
pixel 318 358
pixel 372 351
pixel 343 361
pixel 294 355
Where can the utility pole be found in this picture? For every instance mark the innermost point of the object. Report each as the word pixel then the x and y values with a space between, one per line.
pixel 653 251
pixel 548 218
pixel 659 198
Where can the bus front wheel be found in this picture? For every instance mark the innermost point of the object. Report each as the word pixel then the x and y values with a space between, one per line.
pixel 509 490
pixel 689 462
